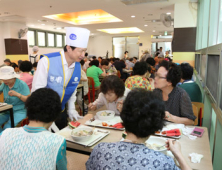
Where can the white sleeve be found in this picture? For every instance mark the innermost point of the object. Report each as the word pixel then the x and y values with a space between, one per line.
pixel 72 100
pixel 41 75
pixel 99 101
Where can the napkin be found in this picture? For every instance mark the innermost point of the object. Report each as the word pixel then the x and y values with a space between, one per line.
pixel 195 157
pixel 187 132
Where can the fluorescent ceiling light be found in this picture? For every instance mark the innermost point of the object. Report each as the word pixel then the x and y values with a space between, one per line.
pixel 154 31
pixel 145 25
pixel 133 16
pixel 168 13
pixel 85 17
pixel 121 30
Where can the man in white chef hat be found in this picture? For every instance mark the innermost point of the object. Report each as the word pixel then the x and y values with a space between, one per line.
pixel 61 71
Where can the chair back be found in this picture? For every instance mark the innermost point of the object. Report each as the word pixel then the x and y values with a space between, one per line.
pixel 195 112
pixel 91 83
pixel 25 122
pixel 118 73
pixel 200 107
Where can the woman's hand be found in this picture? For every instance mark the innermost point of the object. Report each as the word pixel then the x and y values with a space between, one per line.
pixel 119 106
pixel 173 146
pixel 13 93
pixel 91 106
pixel 168 116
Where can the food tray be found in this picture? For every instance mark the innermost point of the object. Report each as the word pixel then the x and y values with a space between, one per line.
pixel 98 123
pixel 97 136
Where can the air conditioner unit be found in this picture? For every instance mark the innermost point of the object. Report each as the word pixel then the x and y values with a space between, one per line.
pixel 134 2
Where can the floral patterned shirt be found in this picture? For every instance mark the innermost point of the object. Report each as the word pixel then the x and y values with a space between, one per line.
pixel 130 156
pixel 137 82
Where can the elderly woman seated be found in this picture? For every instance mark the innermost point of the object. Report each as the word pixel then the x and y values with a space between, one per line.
pixel 141 118
pixel 15 93
pixel 139 80
pixel 177 102
pixel 110 69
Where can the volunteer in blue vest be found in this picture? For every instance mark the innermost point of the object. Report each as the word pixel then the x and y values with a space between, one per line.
pixel 61 71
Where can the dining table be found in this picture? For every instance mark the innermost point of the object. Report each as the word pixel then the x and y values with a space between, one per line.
pixel 200 145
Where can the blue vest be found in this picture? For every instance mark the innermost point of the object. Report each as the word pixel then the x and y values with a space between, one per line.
pixel 56 78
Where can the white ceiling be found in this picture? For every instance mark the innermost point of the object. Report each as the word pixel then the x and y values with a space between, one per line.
pixel 30 11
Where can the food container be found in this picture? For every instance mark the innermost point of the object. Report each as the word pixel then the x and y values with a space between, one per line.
pixel 105 115
pixel 80 130
pixel 155 142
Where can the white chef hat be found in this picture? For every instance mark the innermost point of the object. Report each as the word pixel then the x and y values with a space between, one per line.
pixel 77 37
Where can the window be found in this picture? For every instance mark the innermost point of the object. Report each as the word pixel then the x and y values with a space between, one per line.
pixel 58 40
pixel 64 40
pixel 41 39
pixel 51 40
pixel 31 38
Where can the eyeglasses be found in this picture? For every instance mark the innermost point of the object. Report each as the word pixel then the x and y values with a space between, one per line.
pixel 159 77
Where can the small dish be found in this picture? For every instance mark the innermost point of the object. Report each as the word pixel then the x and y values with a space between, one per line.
pixel 80 134
pixel 155 142
pixel 105 115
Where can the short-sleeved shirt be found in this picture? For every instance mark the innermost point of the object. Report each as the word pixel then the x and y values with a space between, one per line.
pixel 27 78
pixel 137 82
pixel 94 72
pixel 179 103
pixel 20 87
pixel 130 156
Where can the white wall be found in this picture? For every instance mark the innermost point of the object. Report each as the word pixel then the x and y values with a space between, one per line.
pixel 98 45
pixel 2 45
pixel 185 14
pixel 146 41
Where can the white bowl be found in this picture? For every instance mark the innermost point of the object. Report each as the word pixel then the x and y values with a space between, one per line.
pixel 156 141
pixel 81 138
pixel 111 116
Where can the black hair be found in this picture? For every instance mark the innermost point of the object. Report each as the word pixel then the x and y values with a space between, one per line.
pixel 14 65
pixel 94 57
pixel 174 72
pixel 143 113
pixel 25 66
pixel 95 63
pixel 157 53
pixel 104 62
pixel 43 105
pixel 150 61
pixel 35 64
pixel 135 58
pixel 187 71
pixel 131 59
pixel 82 62
pixel 140 68
pixel 113 83
pixel 126 52
pixel 100 57
pixel 86 54
pixel 65 48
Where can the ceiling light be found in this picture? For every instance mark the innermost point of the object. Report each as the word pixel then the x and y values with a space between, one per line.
pixel 32 25
pixel 154 20
pixel 145 25
pixel 160 35
pixel 58 28
pixel 154 31
pixel 85 17
pixel 42 24
pixel 168 13
pixel 121 30
pixel 133 16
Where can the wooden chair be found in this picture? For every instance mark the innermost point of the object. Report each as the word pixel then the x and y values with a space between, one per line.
pixel 76 161
pixel 2 97
pixel 195 112
pixel 200 107
pixel 92 89
pixel 118 74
